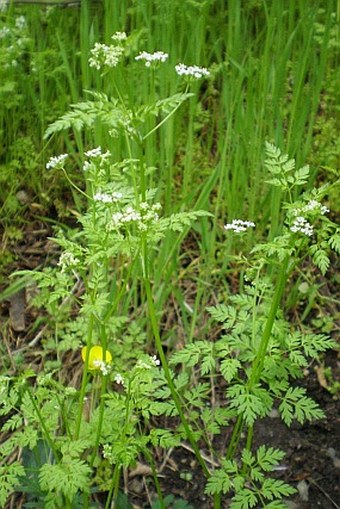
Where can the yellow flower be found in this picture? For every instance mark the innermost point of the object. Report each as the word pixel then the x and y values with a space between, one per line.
pixel 96 358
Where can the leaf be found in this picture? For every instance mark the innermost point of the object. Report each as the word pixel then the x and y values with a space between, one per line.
pixel 178 222
pixel 296 405
pixel 84 114
pixel 229 368
pixel 163 438
pixel 245 499
pixel 223 313
pixel 208 364
pixel 334 242
pixel 218 482
pixel 301 176
pixel 66 477
pixel 275 488
pixel 269 457
pixel 321 260
pixel 9 475
pixel 246 404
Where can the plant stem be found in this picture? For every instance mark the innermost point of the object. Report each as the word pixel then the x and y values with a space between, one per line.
pixel 100 418
pixel 113 493
pixel 260 358
pixel 159 347
pixel 43 425
pixel 261 354
pixel 155 478
pixel 84 379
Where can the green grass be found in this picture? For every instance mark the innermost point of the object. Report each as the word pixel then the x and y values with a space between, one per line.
pixel 268 63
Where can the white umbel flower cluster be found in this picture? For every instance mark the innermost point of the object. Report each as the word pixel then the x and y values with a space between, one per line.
pixel 95 152
pixel 314 205
pixel 108 198
pixel 119 36
pixel 191 71
pixel 67 260
pixel 20 22
pixel 239 226
pixel 119 379
pixel 301 225
pixel 104 367
pixel 143 218
pixel 56 161
pixel 4 32
pixel 152 58
pixel 152 361
pixel 105 56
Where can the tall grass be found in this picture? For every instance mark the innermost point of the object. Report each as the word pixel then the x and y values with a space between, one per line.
pixel 267 74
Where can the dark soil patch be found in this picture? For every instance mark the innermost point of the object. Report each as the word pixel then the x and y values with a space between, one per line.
pixel 311 464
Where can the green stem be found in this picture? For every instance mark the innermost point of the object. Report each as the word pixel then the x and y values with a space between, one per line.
pixel 165 119
pixel 84 378
pixel 72 184
pixel 235 437
pixel 101 417
pixel 43 425
pixel 260 357
pixel 166 369
pixel 113 493
pixel 155 478
pixel 261 354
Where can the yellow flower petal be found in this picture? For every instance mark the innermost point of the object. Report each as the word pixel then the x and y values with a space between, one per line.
pixel 96 355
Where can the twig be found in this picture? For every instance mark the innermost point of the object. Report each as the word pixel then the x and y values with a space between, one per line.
pixel 204 456
pixel 311 480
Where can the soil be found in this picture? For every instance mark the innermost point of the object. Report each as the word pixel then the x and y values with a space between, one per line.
pixel 311 464
pixel 312 461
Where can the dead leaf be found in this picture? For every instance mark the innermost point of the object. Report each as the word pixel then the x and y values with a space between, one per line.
pixel 17 310
pixel 320 373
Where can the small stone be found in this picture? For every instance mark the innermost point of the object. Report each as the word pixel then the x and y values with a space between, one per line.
pixel 22 197
pixel 274 413
pixel 303 488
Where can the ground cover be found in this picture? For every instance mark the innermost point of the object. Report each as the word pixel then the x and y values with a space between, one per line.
pixel 169 240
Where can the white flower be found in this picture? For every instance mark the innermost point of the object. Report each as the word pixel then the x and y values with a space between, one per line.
pixel 103 197
pixel 192 71
pixel 86 166
pixel 315 205
pixel 311 206
pixel 117 218
pixel 103 55
pixel 303 226
pixel 4 32
pixel 108 198
pixel 119 36
pixel 150 58
pixel 108 453
pixel 119 379
pixel 95 152
pixel 238 226
pixel 143 365
pixel 20 22
pixel 154 360
pixel 131 215
pixel 56 161
pixel 104 367
pixel 67 260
